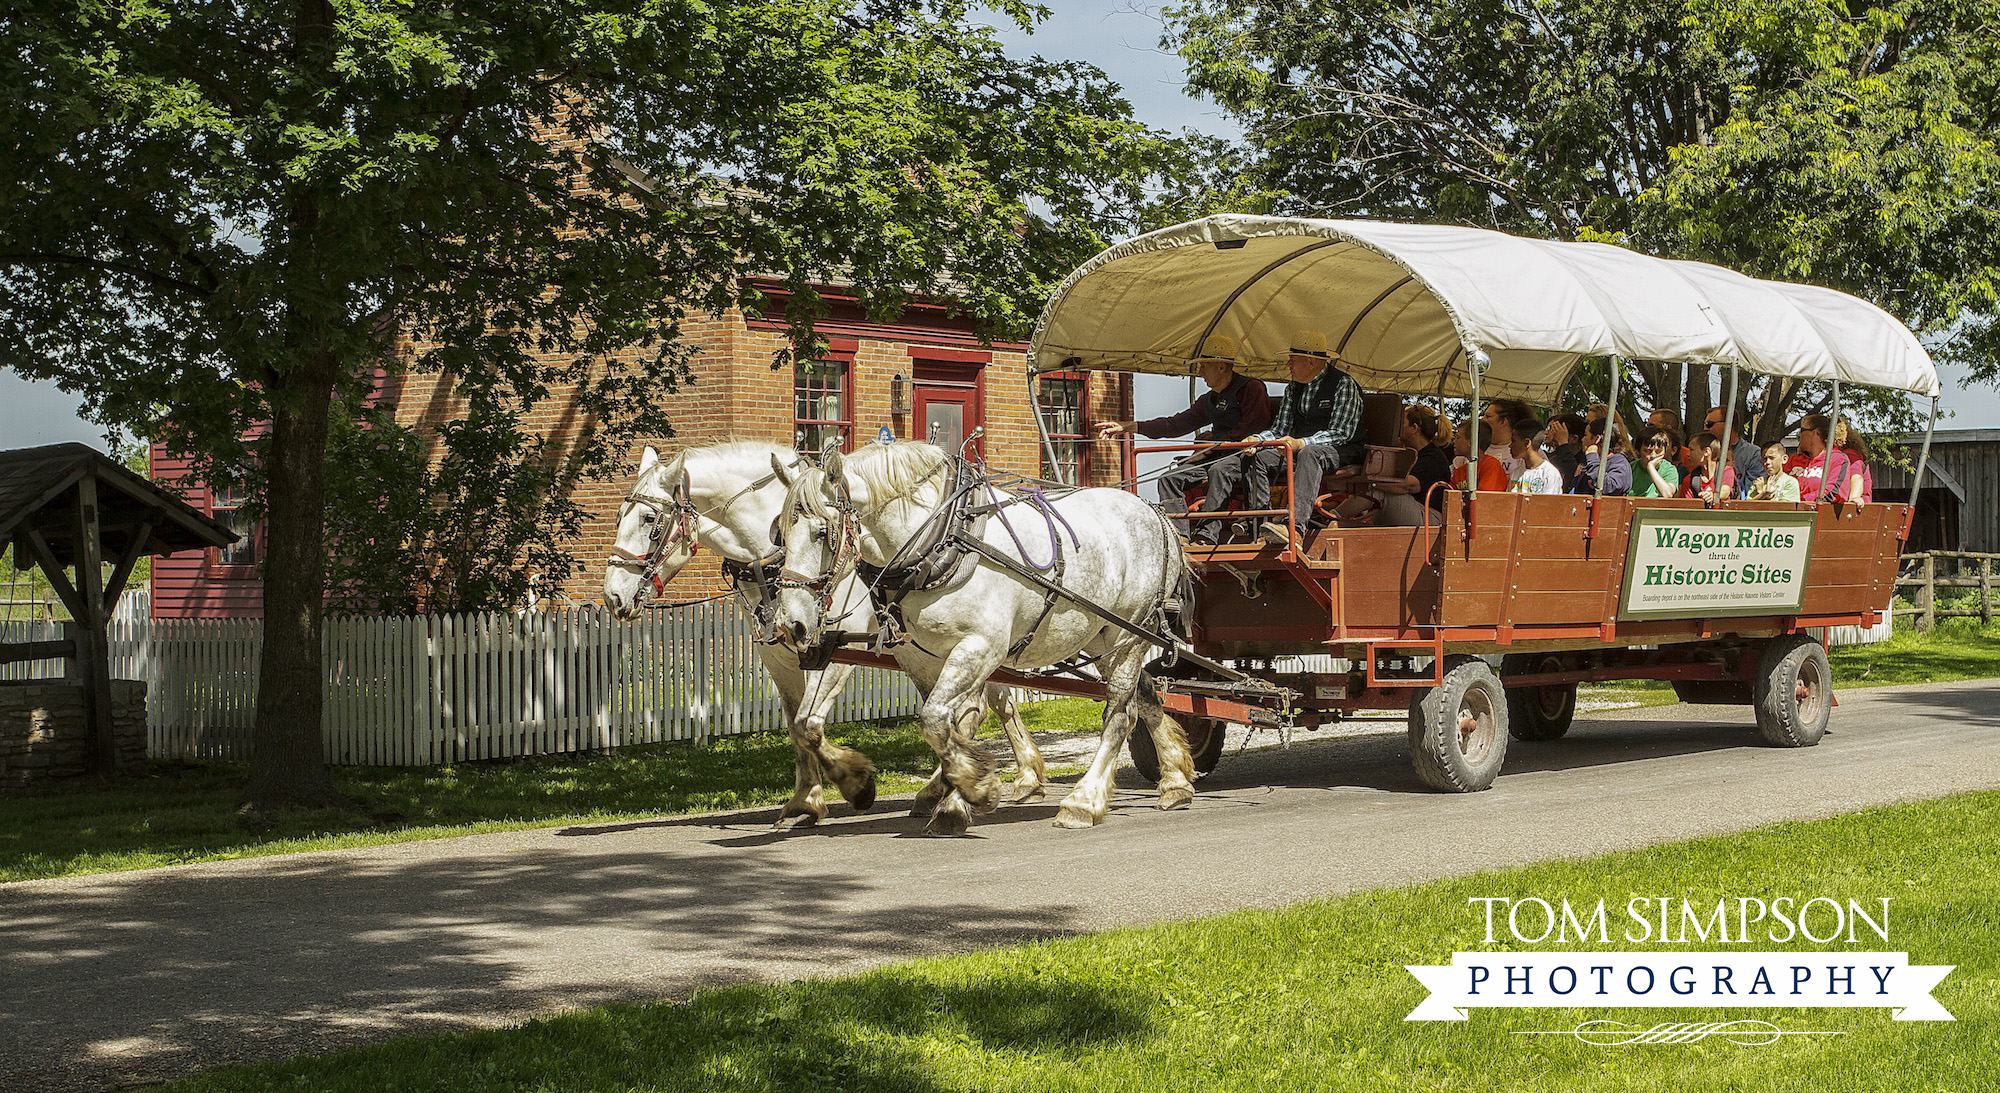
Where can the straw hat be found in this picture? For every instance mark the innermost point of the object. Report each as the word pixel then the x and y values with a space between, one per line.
pixel 1217 347
pixel 1311 343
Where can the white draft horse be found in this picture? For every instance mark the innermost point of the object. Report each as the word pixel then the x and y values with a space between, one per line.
pixel 726 498
pixel 881 504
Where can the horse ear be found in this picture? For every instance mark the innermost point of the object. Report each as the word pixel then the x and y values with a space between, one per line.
pixel 648 459
pixel 778 468
pixel 836 474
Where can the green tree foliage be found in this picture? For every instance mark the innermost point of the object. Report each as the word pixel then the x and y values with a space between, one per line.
pixel 224 214
pixel 473 517
pixel 1849 145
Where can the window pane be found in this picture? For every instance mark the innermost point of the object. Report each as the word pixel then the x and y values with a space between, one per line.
pixel 1062 405
pixel 1069 455
pixel 818 404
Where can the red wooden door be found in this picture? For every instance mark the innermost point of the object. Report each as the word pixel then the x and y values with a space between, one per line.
pixel 946 407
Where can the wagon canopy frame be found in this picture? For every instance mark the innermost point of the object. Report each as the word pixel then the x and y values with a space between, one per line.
pixel 1404 306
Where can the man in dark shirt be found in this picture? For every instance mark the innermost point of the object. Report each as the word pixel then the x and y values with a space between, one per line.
pixel 1319 419
pixel 1232 408
pixel 1744 458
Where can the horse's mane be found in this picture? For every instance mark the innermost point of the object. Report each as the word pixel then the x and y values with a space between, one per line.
pixel 909 469
pixel 753 455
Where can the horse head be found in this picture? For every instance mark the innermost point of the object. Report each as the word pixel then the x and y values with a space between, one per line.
pixel 654 538
pixel 818 531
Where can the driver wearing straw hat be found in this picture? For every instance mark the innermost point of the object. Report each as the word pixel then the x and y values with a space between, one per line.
pixel 1233 407
pixel 1319 420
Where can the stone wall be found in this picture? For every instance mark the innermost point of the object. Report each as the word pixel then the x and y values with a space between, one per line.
pixel 42 734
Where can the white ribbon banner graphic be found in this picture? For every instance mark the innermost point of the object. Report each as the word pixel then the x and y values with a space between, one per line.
pixel 1630 980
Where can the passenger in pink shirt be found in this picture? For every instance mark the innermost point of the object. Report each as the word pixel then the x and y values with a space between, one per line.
pixel 1822 471
pixel 1860 479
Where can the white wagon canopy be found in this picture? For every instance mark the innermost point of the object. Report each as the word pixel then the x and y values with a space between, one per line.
pixel 1402 305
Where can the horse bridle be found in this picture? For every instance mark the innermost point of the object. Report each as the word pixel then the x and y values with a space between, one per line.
pixel 673 523
pixel 848 544
pixel 666 533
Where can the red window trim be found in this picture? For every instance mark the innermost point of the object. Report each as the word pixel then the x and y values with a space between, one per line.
pixel 1083 438
pixel 948 355
pixel 840 351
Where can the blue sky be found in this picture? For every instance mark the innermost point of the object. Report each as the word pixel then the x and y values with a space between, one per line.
pixel 1119 36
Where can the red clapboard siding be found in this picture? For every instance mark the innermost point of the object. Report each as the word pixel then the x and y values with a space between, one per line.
pixel 193 584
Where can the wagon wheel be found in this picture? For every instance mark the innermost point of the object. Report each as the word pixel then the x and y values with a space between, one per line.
pixel 1793 692
pixel 1458 729
pixel 1204 737
pixel 1538 713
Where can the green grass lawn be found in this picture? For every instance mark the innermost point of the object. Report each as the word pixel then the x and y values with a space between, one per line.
pixel 1957 649
pixel 1307 998
pixel 182 812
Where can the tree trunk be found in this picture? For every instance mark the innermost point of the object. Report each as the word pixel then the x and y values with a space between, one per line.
pixel 287 764
pixel 1695 398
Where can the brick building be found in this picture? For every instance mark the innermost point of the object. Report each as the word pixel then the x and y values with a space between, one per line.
pixel 925 374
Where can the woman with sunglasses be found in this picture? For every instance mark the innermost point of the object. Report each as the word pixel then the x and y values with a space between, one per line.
pixel 1822 470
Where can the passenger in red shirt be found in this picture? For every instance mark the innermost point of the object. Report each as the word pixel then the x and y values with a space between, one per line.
pixel 1470 437
pixel 1706 480
pixel 1823 472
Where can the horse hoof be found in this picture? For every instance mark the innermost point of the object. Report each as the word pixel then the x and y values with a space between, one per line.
pixel 984 798
pixel 788 820
pixel 1028 794
pixel 949 821
pixel 864 800
pixel 1074 818
pixel 1171 799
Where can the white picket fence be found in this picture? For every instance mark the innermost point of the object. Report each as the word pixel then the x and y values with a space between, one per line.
pixel 413 691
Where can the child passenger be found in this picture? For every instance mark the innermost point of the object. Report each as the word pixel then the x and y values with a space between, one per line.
pixel 1472 437
pixel 1657 476
pixel 1537 473
pixel 1776 485
pixel 1704 481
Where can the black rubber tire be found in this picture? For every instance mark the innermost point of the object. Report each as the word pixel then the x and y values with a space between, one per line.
pixel 1449 755
pixel 1538 713
pixel 1204 738
pixel 1713 692
pixel 1793 692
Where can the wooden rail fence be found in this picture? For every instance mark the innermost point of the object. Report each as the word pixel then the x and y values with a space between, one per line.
pixel 413 691
pixel 1949 569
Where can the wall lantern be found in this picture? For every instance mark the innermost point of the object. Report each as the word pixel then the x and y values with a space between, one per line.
pixel 899 394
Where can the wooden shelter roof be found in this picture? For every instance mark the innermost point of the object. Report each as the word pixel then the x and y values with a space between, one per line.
pixel 37 491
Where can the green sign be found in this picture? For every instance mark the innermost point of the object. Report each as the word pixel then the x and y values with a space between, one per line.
pixel 1696 563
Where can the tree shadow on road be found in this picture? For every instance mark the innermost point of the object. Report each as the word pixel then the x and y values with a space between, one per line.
pixel 1977 704
pixel 127 979
pixel 1380 761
